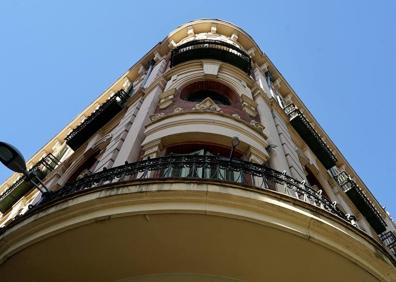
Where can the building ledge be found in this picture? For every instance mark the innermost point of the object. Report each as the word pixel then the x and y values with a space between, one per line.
pixel 149 200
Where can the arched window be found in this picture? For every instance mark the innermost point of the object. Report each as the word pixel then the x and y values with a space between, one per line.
pixel 201 95
pixel 199 91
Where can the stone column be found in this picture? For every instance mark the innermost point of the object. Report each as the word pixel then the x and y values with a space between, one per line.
pixel 130 149
pixel 277 155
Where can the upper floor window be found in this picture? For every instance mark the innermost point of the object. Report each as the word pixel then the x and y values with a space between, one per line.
pixel 84 168
pixel 199 91
pixel 201 95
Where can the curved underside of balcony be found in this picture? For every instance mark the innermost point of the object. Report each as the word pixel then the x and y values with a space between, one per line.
pixel 150 230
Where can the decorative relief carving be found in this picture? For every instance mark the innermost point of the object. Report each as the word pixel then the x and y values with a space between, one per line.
pixel 249 106
pixel 207 105
pixel 166 98
pixel 178 110
pixel 157 116
pixel 211 68
pixel 257 125
pixel 236 116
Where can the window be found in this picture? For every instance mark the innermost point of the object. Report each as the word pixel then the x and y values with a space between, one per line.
pixel 201 95
pixel 84 168
pixel 207 168
pixel 219 93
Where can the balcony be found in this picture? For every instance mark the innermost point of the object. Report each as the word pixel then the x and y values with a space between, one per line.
pixel 310 136
pixel 389 240
pixel 96 120
pixel 211 49
pixel 203 206
pixel 361 201
pixel 193 168
pixel 22 186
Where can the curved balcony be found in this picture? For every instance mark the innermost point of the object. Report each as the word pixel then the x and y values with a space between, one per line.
pixel 211 49
pixel 192 207
pixel 193 168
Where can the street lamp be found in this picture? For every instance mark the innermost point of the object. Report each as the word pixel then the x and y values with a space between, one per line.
pixel 14 160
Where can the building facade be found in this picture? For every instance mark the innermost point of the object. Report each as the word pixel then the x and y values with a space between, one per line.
pixel 200 163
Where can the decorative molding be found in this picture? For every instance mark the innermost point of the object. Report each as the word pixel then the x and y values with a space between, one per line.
pixel 236 116
pixel 211 68
pixel 277 83
pixel 172 44
pixel 157 116
pixel 251 52
pixel 209 122
pixel 257 125
pixel 190 31
pixel 152 149
pixel 166 98
pixel 178 110
pixel 157 57
pixel 234 37
pixel 207 105
pixel 264 67
pixel 249 106
pixel 213 28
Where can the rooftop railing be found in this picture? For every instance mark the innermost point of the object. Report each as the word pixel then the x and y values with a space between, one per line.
pixel 211 49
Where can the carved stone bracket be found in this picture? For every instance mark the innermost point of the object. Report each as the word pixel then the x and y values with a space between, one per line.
pixel 258 126
pixel 249 106
pixel 166 98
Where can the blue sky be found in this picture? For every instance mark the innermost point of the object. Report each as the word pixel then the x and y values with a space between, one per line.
pixel 339 56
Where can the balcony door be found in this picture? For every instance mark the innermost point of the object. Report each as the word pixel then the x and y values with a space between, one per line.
pixel 204 163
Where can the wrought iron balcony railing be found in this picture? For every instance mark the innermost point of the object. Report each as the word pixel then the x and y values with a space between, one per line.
pixel 22 186
pixel 195 168
pixel 310 136
pixel 211 49
pixel 97 119
pixel 360 200
pixel 389 240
